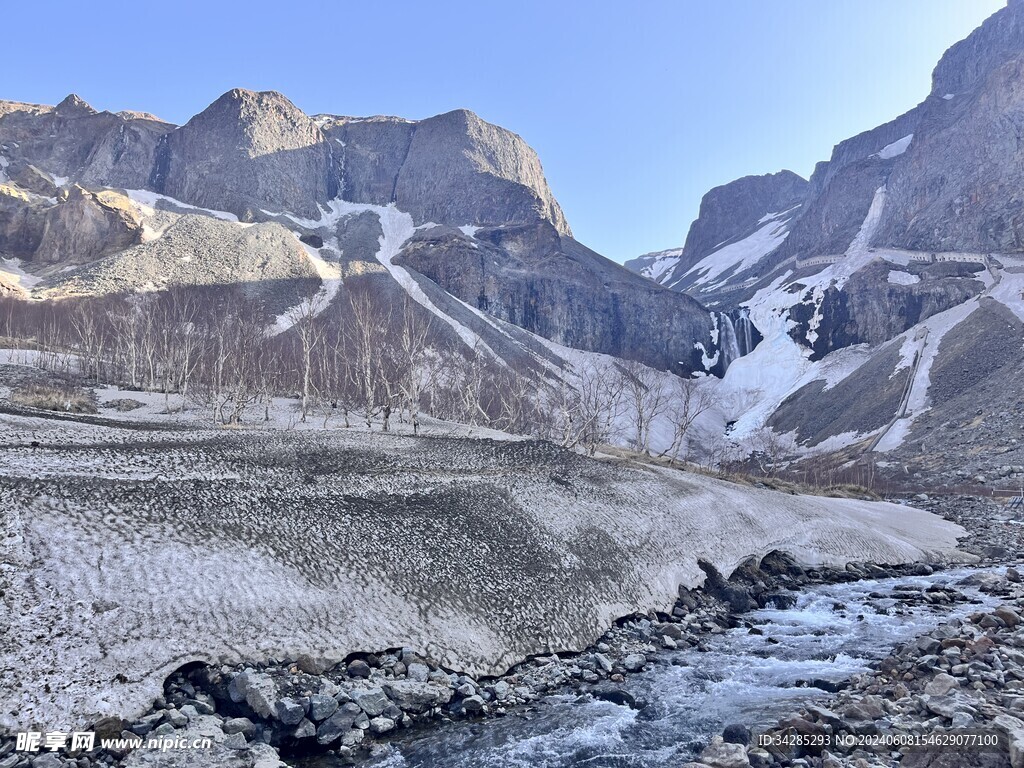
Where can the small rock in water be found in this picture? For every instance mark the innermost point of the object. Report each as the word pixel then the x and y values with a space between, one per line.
pixel 721 754
pixel 634 662
pixel 737 733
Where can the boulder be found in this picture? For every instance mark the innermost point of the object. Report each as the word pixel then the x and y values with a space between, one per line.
pixel 722 754
pixel 290 711
pixel 338 724
pixel 321 706
pixel 371 700
pixel 414 696
pixel 941 684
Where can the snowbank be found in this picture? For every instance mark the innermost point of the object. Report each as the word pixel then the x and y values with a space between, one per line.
pixel 474 552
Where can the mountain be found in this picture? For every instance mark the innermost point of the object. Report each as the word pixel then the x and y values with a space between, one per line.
pixel 730 220
pixel 889 289
pixel 93 203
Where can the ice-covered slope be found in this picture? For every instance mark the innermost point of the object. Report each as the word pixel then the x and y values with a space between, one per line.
pixel 476 553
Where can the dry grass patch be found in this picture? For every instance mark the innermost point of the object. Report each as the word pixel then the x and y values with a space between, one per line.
pixel 55 398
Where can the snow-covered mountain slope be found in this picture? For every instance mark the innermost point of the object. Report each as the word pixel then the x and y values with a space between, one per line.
pixel 890 299
pixel 286 543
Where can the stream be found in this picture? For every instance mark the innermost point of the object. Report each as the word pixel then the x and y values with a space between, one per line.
pixel 834 631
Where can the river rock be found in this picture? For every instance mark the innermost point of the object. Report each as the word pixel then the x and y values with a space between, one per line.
pixel 721 754
pixel 358 669
pixel 414 696
pixel 472 704
pixel 235 741
pixel 634 662
pixel 339 723
pixel 941 684
pixel 321 706
pixel 241 725
pixel 257 690
pixel 737 733
pixel 382 725
pixel 418 671
pixel 371 700
pixel 290 711
pixel 305 729
pixel 1007 615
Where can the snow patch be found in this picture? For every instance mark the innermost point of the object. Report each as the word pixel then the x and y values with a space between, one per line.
pixel 1009 290
pixel 898 147
pixel 469 230
pixel 13 272
pixel 772 216
pixel 144 197
pixel 397 228
pixel 739 256
pixel 330 284
pixel 903 278
pixel 949 96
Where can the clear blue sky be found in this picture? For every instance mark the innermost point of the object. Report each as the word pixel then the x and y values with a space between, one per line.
pixel 635 109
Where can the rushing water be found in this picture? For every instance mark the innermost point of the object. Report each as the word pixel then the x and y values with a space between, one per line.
pixel 833 632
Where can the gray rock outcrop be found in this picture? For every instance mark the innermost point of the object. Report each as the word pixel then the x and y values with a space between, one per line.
pixel 450 169
pixel 733 210
pixel 248 151
pixel 87 226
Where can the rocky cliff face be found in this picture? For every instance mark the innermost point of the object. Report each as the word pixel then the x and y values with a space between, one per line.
pixel 549 284
pixel 729 215
pixel 72 140
pixel 734 210
pixel 87 226
pixel 894 281
pixel 248 151
pixel 450 169
pixel 870 309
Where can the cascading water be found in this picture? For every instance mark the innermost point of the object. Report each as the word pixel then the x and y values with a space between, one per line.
pixel 832 632
pixel 737 335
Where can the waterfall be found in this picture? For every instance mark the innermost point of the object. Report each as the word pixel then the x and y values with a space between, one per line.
pixel 727 340
pixel 746 328
pixel 737 335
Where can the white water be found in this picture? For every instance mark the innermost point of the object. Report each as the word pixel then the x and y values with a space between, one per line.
pixel 832 633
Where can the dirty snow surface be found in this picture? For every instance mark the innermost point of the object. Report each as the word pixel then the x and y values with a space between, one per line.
pixel 131 549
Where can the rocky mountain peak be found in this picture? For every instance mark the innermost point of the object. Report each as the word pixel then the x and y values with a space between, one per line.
pixel 249 150
pixel 735 208
pixel 460 169
pixel 969 62
pixel 73 105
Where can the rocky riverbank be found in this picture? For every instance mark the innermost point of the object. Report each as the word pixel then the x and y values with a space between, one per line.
pixel 964 677
pixel 300 707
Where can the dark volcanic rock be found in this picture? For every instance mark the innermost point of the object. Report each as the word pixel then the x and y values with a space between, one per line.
pixel 869 309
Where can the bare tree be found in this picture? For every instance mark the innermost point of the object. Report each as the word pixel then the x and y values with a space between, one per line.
pixel 646 399
pixel 688 400
pixel 414 365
